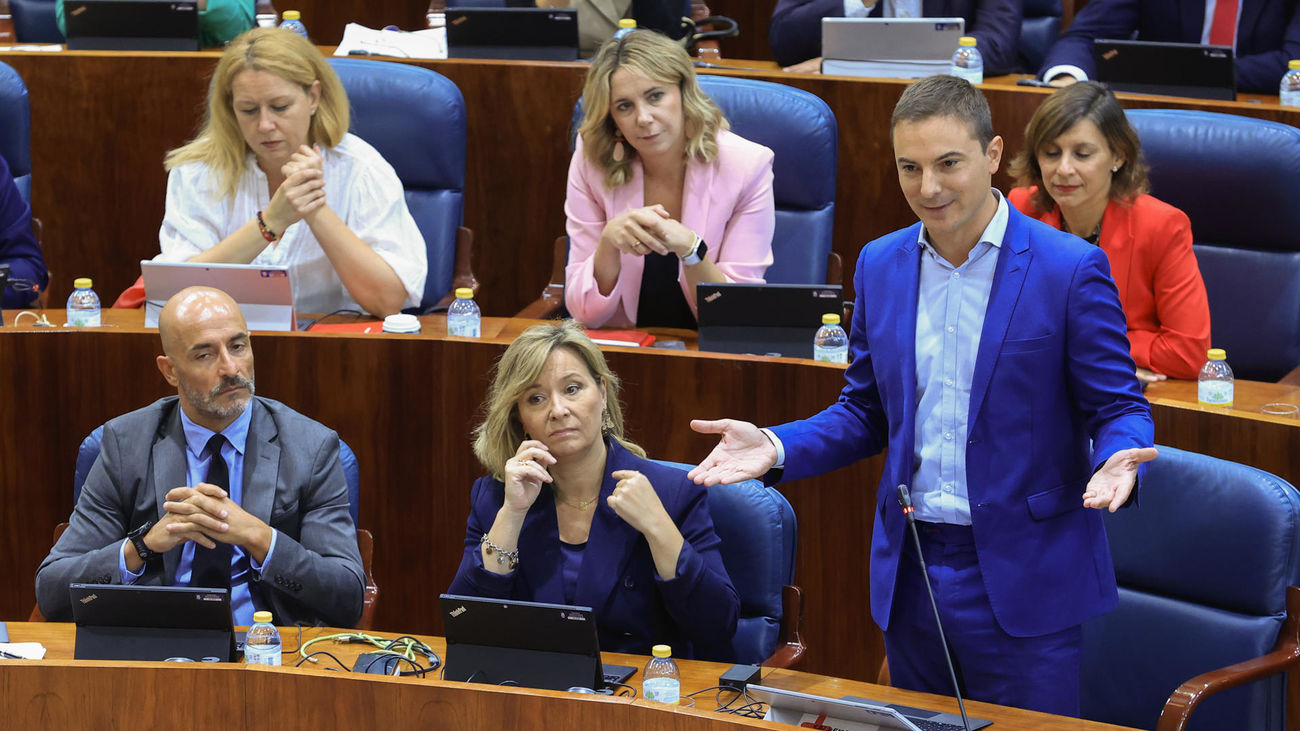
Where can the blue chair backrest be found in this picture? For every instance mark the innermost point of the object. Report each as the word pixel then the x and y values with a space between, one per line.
pixel 415 118
pixel 1236 179
pixel 1040 26
pixel 759 535
pixel 801 131
pixel 35 21
pixel 16 129
pixel 1203 564
pixel 88 452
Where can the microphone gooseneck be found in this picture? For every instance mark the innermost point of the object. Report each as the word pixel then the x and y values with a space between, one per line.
pixel 905 500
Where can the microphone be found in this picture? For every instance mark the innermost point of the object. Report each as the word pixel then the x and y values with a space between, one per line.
pixel 905 500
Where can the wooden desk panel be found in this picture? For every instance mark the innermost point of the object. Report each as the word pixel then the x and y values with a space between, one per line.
pixel 406 404
pixel 59 693
pixel 103 122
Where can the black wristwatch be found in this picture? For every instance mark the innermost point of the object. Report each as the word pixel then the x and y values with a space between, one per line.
pixel 136 537
pixel 697 252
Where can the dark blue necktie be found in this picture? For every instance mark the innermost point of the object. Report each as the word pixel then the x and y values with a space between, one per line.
pixel 212 565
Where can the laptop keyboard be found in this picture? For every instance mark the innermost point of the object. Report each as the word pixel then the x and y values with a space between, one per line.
pixel 925 725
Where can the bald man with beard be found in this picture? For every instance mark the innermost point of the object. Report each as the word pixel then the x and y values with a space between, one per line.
pixel 214 487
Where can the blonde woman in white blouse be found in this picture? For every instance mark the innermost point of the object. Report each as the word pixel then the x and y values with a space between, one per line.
pixel 274 178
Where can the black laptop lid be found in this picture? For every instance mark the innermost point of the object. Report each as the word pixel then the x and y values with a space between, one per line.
pixel 127 25
pixel 1168 69
pixel 117 622
pixel 529 34
pixel 535 645
pixel 764 319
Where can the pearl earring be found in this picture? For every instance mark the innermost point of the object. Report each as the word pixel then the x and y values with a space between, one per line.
pixel 1115 169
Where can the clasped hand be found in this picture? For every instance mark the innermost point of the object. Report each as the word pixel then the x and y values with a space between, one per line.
pixel 647 230
pixel 206 515
pixel 303 191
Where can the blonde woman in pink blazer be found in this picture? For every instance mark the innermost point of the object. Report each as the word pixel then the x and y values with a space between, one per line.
pixel 661 196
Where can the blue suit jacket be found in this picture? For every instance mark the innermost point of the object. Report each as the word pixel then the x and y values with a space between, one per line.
pixel 1053 370
pixel 796 30
pixel 1268 34
pixel 696 612
pixel 18 246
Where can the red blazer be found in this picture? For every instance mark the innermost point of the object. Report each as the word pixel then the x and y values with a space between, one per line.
pixel 1149 245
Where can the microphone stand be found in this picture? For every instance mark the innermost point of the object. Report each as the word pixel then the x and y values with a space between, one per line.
pixel 905 500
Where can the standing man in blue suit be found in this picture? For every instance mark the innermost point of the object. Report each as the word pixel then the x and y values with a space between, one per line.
pixel 1264 33
pixel 988 349
pixel 796 30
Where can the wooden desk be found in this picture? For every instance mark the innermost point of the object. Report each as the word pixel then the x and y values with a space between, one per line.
pixel 58 692
pixel 406 404
pixel 104 120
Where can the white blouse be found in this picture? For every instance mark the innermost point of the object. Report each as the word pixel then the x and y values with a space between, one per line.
pixel 360 186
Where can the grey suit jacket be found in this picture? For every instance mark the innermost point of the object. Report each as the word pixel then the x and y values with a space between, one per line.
pixel 292 481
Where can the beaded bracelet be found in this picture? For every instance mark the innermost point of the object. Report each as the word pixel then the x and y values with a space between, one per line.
pixel 267 233
pixel 504 557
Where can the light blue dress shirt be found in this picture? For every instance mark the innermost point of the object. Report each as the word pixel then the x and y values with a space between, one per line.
pixel 196 465
pixel 892 9
pixel 950 306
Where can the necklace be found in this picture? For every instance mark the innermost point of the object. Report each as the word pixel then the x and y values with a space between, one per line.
pixel 580 504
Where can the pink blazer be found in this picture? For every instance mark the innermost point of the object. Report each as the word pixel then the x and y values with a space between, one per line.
pixel 728 202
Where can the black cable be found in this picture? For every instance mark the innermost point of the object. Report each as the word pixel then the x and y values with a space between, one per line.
pixel 631 694
pixel 322 318
pixel 326 653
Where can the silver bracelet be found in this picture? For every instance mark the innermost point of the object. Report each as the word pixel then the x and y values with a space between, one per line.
pixel 504 557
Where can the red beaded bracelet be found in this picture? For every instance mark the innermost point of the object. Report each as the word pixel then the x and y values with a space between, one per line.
pixel 267 233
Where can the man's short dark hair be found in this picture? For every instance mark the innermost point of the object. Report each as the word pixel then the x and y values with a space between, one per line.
pixel 945 96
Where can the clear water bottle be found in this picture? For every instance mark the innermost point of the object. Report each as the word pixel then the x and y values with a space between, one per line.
pixel 1214 385
pixel 661 681
pixel 967 63
pixel 262 643
pixel 463 317
pixel 1289 92
pixel 292 20
pixel 83 304
pixel 625 26
pixel 830 344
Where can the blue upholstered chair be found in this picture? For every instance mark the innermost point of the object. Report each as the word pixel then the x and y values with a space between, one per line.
pixel 35 21
pixel 759 534
pixel 801 130
pixel 16 129
pixel 415 118
pixel 1040 26
pixel 1236 178
pixel 1206 564
pixel 88 452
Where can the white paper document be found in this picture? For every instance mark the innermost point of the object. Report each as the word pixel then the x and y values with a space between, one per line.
pixel 429 43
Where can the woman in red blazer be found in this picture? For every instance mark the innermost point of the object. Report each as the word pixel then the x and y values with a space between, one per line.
pixel 1081 170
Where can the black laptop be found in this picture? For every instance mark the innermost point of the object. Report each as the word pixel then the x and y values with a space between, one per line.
pixel 1167 69
pixel 116 622
pixel 764 319
pixel 132 25
pixel 507 642
pixel 525 34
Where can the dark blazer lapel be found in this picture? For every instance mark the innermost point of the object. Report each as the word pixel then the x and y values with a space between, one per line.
pixel 611 542
pixel 539 550
pixel 1250 17
pixel 170 471
pixel 261 464
pixel 1008 279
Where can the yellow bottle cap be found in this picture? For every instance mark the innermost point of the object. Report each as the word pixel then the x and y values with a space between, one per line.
pixel 464 293
pixel 830 318
pixel 1216 354
pixel 627 23
pixel 291 15
pixel 262 616
pixel 82 283
pixel 661 651
pixel 967 41
pixel 1293 64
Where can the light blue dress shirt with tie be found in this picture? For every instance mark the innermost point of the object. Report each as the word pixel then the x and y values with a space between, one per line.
pixel 196 465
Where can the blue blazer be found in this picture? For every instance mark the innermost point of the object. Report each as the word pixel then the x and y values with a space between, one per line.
pixel 1268 34
pixel 796 29
pixel 18 246
pixel 1053 370
pixel 695 612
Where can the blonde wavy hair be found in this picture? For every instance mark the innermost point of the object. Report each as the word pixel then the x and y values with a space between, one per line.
pixel 498 437
pixel 656 57
pixel 220 144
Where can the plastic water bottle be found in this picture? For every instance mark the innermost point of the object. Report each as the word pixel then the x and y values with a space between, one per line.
pixel 661 681
pixel 262 644
pixel 831 345
pixel 293 21
pixel 625 26
pixel 967 63
pixel 1290 89
pixel 463 317
pixel 1214 385
pixel 83 304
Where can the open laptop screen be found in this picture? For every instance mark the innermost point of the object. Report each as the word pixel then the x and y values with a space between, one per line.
pixel 132 25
